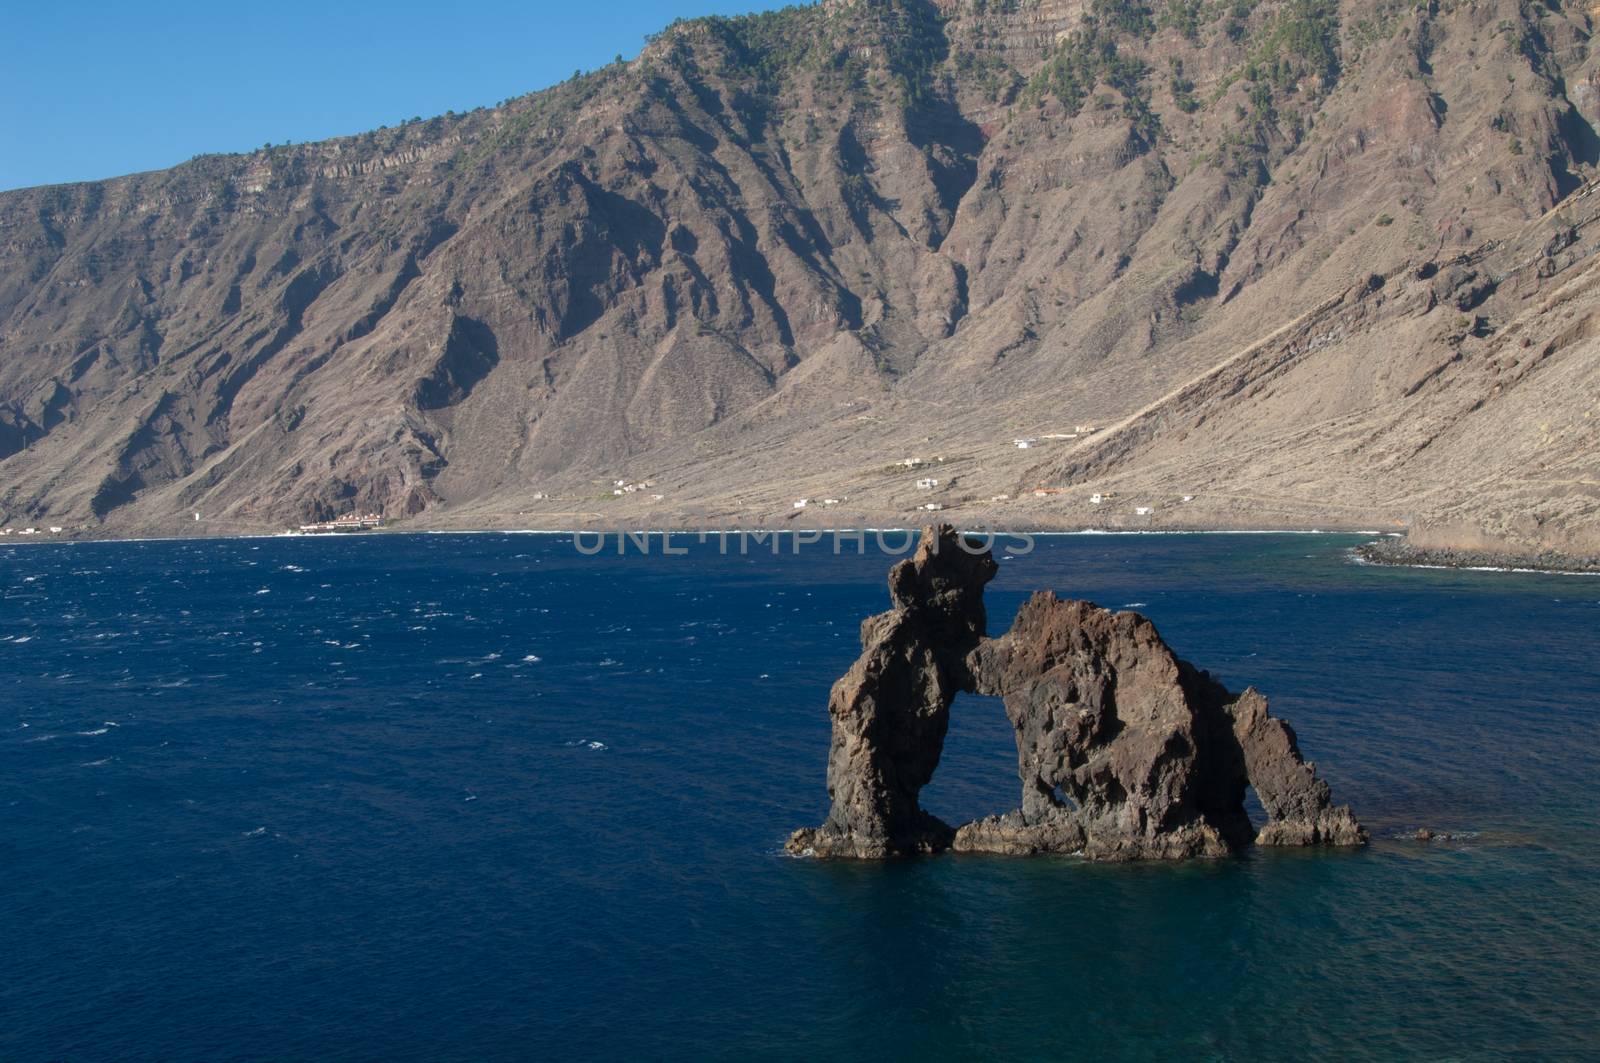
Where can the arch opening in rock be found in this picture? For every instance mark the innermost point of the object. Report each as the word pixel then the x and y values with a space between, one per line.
pixel 1254 810
pixel 978 766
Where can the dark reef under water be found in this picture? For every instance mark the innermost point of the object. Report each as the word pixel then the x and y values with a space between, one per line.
pixel 483 797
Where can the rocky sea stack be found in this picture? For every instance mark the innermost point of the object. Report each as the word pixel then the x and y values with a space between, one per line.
pixel 1125 752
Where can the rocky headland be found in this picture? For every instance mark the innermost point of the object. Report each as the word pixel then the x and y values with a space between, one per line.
pixel 1124 751
pixel 1402 552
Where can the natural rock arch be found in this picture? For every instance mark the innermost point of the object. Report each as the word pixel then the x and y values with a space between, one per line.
pixel 891 710
pixel 1151 755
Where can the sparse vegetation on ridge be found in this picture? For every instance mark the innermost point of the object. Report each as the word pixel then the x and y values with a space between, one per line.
pixel 1088 58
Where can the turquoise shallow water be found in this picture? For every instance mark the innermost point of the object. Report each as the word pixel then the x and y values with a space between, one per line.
pixel 482 797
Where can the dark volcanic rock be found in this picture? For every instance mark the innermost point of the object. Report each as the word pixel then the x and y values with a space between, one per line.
pixel 891 710
pixel 1300 808
pixel 1124 751
pixel 1114 735
pixel 1400 552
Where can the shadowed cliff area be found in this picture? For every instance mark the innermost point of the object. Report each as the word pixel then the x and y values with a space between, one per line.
pixel 1297 262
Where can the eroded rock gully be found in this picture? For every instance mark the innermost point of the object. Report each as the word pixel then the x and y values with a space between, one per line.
pixel 1124 751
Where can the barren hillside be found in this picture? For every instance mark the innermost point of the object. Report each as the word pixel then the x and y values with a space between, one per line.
pixel 1298 262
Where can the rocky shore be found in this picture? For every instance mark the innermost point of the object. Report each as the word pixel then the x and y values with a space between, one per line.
pixel 1401 552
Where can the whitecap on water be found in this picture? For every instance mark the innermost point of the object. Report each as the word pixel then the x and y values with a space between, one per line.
pixel 532 658
pixel 588 743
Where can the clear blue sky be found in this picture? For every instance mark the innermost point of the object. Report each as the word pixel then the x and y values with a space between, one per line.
pixel 96 89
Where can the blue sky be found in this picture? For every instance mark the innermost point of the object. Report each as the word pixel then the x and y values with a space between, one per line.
pixel 98 89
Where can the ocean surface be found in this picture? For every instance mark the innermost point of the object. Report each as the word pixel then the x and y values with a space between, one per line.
pixel 483 797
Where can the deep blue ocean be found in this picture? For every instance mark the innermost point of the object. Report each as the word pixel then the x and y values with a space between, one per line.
pixel 482 797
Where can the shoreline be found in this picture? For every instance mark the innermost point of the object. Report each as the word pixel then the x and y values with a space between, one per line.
pixel 706 531
pixel 1389 551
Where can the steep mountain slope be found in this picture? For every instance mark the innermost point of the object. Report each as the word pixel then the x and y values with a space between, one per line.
pixel 1299 253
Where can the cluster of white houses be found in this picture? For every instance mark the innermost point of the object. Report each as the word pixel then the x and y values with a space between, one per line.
pixel 1029 442
pixel 350 522
pixel 926 483
pixel 1099 498
pixel 629 487
pixel 53 530
pixel 932 483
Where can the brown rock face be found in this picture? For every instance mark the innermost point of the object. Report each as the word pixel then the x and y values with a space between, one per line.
pixel 1124 751
pixel 892 709
pixel 1300 809
pixel 1114 735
